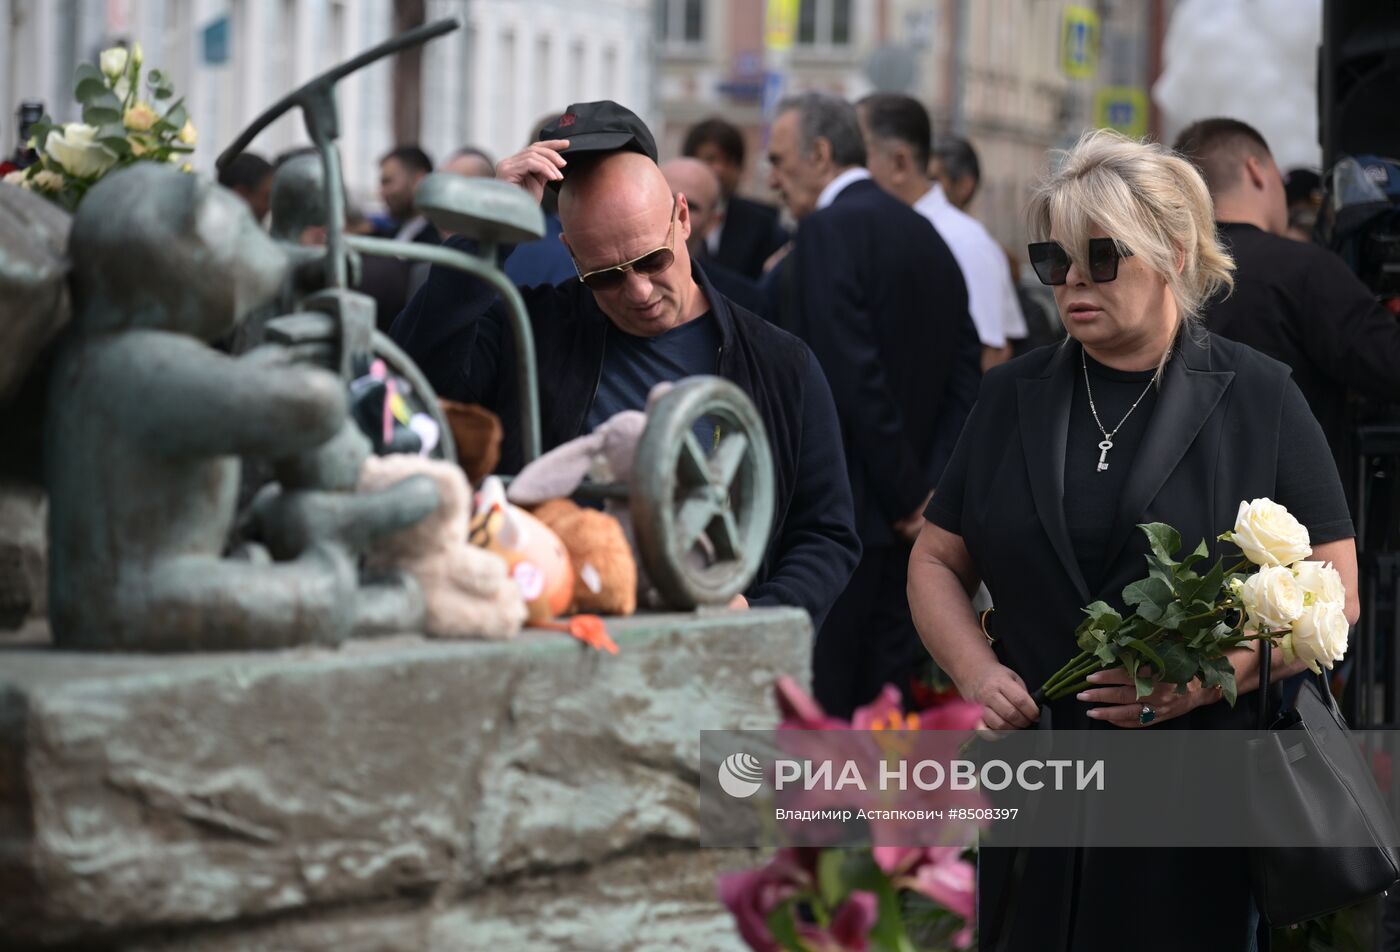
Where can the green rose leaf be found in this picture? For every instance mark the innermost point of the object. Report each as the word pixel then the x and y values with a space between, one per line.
pixel 1201 551
pixel 1165 540
pixel 117 144
pixel 1156 568
pixel 1218 672
pixel 1149 596
pixel 1148 652
pixel 1172 617
pixel 1178 664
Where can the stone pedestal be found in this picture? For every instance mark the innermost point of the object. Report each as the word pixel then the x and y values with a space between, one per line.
pixel 393 794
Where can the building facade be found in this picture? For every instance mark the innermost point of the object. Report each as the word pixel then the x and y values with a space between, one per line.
pixel 991 70
pixel 483 85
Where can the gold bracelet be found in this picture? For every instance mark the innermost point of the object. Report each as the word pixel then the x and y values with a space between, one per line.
pixel 983 619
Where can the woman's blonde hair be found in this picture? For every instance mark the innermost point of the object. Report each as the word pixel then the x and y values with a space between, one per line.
pixel 1147 197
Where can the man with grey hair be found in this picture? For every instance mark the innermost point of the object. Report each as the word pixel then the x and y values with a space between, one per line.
pixel 878 296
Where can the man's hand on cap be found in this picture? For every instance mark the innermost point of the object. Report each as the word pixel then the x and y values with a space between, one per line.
pixel 535 166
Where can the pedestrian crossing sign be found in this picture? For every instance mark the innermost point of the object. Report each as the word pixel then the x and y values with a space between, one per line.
pixel 1079 43
pixel 1123 108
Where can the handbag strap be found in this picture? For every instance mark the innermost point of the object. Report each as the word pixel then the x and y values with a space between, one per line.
pixel 1266 657
pixel 1266 654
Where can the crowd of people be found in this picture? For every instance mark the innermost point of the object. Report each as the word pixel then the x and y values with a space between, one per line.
pixel 860 312
pixel 940 443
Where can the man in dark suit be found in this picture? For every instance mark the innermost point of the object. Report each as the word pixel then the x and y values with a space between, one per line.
pixel 392 283
pixel 746 233
pixel 878 296
pixel 1293 300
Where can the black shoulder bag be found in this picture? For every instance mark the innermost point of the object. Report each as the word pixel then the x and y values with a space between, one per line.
pixel 1310 782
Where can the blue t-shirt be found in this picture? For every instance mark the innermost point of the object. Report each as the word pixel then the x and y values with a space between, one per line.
pixel 633 365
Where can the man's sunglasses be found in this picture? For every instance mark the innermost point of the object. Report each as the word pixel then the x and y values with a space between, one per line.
pixel 1051 261
pixel 653 262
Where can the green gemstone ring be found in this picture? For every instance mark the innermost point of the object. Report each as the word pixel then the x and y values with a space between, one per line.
pixel 1146 715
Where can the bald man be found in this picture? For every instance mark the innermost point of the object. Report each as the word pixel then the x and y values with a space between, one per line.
pixel 642 312
pixel 470 162
pixel 700 186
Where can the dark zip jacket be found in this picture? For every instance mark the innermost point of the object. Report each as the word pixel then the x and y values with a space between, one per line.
pixel 455 328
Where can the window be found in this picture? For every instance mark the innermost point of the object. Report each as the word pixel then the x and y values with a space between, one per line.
pixel 824 23
pixel 680 22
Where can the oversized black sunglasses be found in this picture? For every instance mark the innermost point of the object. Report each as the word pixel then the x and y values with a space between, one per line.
pixel 1051 261
pixel 653 262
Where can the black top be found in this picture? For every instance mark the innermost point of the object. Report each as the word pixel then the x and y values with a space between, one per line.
pixel 1300 303
pixel 456 330
pixel 1091 495
pixel 875 291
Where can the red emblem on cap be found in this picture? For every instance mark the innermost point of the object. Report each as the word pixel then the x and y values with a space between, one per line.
pixel 566 120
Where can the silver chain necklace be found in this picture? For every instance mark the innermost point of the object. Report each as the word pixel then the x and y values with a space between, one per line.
pixel 1108 436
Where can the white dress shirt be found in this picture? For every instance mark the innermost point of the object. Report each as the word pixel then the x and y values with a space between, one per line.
pixel 837 185
pixel 991 297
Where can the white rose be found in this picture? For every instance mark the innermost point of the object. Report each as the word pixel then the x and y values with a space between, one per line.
pixel 1268 535
pixel 74 149
pixel 113 62
pixel 1272 598
pixel 16 178
pixel 1320 582
pixel 1319 635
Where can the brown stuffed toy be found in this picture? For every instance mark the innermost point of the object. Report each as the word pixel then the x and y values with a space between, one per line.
pixel 466 589
pixel 477 433
pixel 605 571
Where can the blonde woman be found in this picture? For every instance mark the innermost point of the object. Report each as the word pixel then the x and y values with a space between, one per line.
pixel 1140 416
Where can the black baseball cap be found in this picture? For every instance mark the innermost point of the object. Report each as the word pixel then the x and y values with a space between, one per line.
pixel 598 127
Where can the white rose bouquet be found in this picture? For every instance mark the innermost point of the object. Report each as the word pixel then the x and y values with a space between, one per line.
pixel 119 127
pixel 1184 622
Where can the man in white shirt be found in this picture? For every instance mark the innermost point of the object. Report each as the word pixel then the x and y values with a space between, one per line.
pixel 897 135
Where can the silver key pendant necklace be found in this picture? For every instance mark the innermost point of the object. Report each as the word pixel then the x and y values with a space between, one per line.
pixel 1108 435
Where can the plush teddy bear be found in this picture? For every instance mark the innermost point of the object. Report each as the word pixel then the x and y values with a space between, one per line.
pixel 605 570
pixel 467 590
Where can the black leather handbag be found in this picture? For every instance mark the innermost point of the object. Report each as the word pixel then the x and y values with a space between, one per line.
pixel 1312 784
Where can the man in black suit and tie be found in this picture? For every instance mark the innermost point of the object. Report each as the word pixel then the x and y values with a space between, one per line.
pixel 878 296
pixel 746 233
